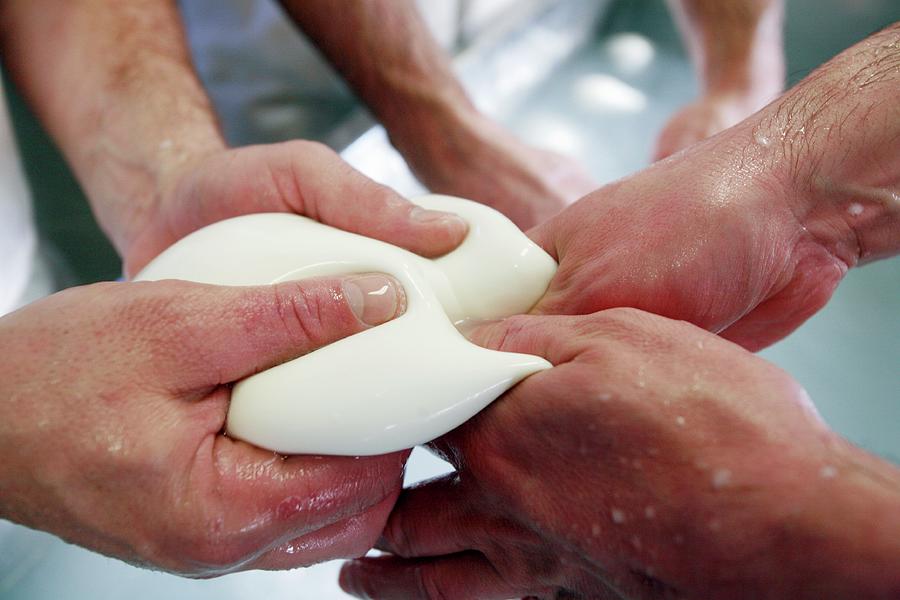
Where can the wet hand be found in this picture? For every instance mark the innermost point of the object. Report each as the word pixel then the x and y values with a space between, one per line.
pixel 651 458
pixel 113 399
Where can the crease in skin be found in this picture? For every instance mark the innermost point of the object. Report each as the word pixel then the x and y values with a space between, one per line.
pixel 883 196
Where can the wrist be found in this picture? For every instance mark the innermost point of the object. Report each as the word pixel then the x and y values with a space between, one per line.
pixel 128 184
pixel 432 129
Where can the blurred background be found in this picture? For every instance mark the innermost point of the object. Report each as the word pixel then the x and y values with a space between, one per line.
pixel 596 79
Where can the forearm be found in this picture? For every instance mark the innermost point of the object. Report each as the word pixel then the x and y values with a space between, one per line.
pixel 386 53
pixel 835 140
pixel 736 46
pixel 114 85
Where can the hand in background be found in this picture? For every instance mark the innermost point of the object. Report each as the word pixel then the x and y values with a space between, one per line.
pixel 113 398
pixel 738 54
pixel 655 460
pixel 474 157
pixel 305 178
pixel 387 54
pixel 704 118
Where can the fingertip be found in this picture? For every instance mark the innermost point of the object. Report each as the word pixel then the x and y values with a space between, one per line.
pixel 351 578
pixel 374 298
pixel 436 232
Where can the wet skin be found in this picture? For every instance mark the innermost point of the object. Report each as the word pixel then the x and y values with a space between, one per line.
pixel 656 460
pixel 749 232
pixel 112 403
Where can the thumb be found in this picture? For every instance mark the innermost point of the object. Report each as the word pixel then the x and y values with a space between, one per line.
pixel 211 335
pixel 556 338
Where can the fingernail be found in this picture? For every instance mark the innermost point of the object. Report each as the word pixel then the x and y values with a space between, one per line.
pixel 374 299
pixel 421 215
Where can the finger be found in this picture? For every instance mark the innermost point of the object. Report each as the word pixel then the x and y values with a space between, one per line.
pixel 204 335
pixel 253 501
pixel 335 193
pixel 552 337
pixel 460 576
pixel 349 538
pixel 432 519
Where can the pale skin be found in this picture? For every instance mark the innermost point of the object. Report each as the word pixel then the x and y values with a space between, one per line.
pixel 113 400
pixel 738 55
pixel 655 460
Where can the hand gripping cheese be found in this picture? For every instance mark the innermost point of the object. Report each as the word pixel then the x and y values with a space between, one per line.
pixel 393 386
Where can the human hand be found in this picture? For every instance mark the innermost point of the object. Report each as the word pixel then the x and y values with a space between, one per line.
pixel 301 177
pixel 113 398
pixel 655 460
pixel 737 50
pixel 474 157
pixel 704 118
pixel 697 238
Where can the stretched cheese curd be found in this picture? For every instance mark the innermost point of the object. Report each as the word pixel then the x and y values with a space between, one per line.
pixel 393 386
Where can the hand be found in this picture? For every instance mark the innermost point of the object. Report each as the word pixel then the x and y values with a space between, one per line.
pixel 655 460
pixel 699 237
pixel 476 158
pixel 704 118
pixel 737 50
pixel 112 402
pixel 300 177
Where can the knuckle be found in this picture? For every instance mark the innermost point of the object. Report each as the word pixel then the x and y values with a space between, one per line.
pixel 395 532
pixel 309 310
pixel 511 333
pixel 429 582
pixel 311 147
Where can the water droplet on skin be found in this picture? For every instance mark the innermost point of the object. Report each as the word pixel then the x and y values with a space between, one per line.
pixel 721 478
pixel 828 472
pixel 855 209
pixel 650 512
pixel 700 344
pixel 762 140
pixel 604 397
pixel 595 530
pixel 618 516
pixel 679 420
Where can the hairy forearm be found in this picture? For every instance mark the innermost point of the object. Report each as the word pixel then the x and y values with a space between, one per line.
pixel 736 45
pixel 835 138
pixel 114 85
